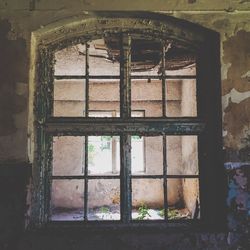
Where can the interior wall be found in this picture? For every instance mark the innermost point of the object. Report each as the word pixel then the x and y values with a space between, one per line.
pixel 231 19
pixel 104 96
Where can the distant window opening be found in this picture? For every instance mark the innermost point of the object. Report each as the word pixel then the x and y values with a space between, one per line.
pixel 104 151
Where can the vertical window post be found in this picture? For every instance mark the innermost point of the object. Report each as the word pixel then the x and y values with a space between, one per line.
pixel 125 94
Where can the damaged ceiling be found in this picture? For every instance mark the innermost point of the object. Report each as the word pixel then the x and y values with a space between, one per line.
pixel 145 54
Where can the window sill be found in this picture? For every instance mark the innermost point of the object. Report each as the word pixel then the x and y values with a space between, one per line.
pixel 146 226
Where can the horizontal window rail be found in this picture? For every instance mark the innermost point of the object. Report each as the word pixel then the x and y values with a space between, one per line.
pixel 143 176
pixel 116 128
pixel 104 77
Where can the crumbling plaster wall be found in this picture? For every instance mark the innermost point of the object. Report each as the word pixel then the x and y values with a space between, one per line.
pixel 18 18
pixel 229 18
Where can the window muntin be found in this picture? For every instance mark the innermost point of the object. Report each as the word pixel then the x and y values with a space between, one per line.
pixel 126 208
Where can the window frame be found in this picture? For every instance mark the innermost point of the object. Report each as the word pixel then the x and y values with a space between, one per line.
pixel 206 122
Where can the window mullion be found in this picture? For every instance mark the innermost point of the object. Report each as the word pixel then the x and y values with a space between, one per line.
pixel 125 82
pixel 86 178
pixel 164 136
pixel 86 137
pixel 87 82
pixel 126 178
pixel 125 113
pixel 163 82
pixel 165 180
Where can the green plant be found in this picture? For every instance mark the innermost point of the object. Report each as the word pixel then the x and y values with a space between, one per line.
pixel 106 138
pixel 172 213
pixel 143 212
pixel 135 137
pixel 91 153
pixel 104 210
pixel 91 148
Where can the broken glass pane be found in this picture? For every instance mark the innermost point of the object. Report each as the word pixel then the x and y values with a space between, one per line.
pixel 71 60
pixel 181 98
pixel 104 199
pixel 146 55
pixel 67 200
pixel 103 155
pixel 182 155
pixel 69 98
pixel 147 199
pixel 146 95
pixel 146 155
pixel 104 56
pixel 104 95
pixel 68 155
pixel 183 198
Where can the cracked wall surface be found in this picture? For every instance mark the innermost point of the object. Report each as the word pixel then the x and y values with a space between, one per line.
pixel 18 19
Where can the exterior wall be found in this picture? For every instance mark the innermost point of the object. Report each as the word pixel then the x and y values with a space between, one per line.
pixel 230 18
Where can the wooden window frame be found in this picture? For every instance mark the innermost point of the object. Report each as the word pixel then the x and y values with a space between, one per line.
pixel 207 126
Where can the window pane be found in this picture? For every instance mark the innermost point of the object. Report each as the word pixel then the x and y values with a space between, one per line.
pixel 147 199
pixel 104 56
pixel 179 60
pixel 103 155
pixel 69 97
pixel 146 95
pixel 182 155
pixel 68 155
pixel 145 56
pixel 71 60
pixel 183 198
pixel 181 98
pixel 67 200
pixel 104 95
pixel 146 155
pixel 104 199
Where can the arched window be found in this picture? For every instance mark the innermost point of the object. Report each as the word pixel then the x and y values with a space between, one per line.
pixel 128 128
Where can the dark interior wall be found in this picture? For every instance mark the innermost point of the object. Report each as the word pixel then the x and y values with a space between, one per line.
pixel 19 18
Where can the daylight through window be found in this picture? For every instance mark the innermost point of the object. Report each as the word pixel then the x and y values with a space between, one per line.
pixel 125 163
